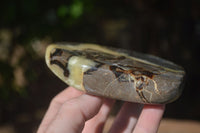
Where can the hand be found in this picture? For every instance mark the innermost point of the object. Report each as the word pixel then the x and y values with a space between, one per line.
pixel 71 111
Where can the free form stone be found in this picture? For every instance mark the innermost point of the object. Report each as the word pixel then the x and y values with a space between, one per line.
pixel 116 73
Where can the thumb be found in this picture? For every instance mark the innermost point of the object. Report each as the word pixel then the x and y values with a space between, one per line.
pixel 73 114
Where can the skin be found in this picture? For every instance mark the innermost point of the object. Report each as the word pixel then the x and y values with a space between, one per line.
pixel 75 112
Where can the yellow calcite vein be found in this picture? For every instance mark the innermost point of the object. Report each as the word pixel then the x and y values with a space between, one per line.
pixel 77 66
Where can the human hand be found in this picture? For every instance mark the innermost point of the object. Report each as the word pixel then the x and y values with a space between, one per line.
pixel 71 111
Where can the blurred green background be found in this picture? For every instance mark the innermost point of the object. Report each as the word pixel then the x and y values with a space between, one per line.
pixel 166 28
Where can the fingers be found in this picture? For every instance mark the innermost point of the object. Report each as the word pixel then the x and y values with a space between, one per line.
pixel 127 118
pixel 56 103
pixel 96 124
pixel 70 109
pixel 68 99
pixel 74 113
pixel 149 119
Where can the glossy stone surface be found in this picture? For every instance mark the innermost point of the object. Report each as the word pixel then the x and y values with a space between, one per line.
pixel 116 73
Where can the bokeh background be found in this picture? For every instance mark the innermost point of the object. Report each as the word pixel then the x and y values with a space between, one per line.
pixel 165 28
